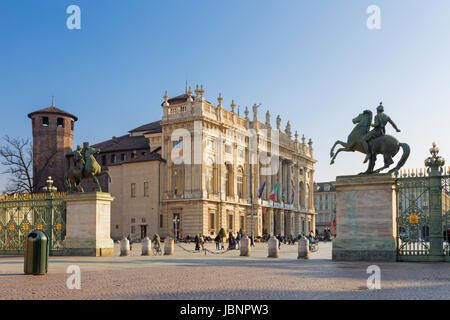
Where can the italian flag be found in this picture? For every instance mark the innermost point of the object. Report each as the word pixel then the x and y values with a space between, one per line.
pixel 274 192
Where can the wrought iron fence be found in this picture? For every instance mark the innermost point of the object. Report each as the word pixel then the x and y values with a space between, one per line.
pixel 22 213
pixel 423 211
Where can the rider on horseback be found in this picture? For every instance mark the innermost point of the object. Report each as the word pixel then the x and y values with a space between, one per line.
pixel 79 159
pixel 381 119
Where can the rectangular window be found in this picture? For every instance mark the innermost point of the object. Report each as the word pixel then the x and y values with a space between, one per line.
pixel 145 189
pixel 113 158
pixel 228 148
pixel 133 220
pixel 71 125
pixel 161 220
pixel 177 144
pixel 60 122
pixel 212 221
pixel 132 155
pixel 133 190
pixel 241 153
pixel 103 160
pixel 230 222
pixel 123 156
pixel 45 121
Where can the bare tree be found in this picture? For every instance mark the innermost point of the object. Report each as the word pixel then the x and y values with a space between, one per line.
pixel 17 156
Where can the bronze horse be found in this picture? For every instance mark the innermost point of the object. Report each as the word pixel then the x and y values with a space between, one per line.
pixel 91 170
pixel 386 145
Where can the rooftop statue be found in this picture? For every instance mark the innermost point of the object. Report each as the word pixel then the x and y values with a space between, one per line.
pixel 373 142
pixel 86 167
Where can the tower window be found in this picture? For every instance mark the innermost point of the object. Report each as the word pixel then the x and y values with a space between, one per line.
pixel 60 122
pixel 45 121
pixel 124 157
pixel 113 158
pixel 71 125
pixel 103 160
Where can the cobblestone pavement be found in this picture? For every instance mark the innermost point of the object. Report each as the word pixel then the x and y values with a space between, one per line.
pixel 227 276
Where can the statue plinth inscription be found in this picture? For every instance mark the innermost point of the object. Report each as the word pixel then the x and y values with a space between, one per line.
pixel 88 227
pixel 365 218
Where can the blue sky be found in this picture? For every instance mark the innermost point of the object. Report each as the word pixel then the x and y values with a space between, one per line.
pixel 313 62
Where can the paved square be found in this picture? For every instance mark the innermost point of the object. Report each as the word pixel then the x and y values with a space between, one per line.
pixel 224 276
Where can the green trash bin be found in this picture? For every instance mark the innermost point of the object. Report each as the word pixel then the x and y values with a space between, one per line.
pixel 36 253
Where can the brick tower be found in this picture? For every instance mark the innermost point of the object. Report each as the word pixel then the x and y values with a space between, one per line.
pixel 52 142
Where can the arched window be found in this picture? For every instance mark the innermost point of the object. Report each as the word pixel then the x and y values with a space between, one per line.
pixel 240 182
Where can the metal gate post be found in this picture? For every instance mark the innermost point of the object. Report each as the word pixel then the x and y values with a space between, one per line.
pixel 434 164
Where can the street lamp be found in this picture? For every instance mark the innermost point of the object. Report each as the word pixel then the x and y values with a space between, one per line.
pixel 175 224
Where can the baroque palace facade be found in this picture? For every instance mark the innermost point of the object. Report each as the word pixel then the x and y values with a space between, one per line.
pixel 192 172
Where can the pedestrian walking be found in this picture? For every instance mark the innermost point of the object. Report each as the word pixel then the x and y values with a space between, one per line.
pixel 217 240
pixel 238 240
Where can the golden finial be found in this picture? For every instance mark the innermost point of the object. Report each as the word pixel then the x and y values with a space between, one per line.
pixel 202 92
pixel 166 99
pixel 196 90
pixel 189 93
pixel 220 99
pixel 233 106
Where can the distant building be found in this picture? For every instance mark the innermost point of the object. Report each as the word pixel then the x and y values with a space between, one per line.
pixel 52 142
pixel 325 205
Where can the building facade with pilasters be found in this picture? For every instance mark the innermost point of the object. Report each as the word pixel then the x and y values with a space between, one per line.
pixel 215 186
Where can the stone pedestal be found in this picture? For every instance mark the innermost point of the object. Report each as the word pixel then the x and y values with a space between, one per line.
pixel 365 218
pixel 245 246
pixel 88 225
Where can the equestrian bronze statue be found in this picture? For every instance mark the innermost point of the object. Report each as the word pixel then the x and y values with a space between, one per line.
pixel 86 167
pixel 373 142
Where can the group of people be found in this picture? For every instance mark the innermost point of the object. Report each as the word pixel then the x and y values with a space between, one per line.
pixel 289 239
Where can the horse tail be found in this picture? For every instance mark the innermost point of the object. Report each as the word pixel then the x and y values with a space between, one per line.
pixel 406 151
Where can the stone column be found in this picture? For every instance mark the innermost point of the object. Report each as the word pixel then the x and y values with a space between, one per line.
pixel 289 184
pixel 303 248
pixel 270 229
pixel 88 225
pixel 273 248
pixel 297 191
pixel 124 247
pixel 168 246
pixel 245 246
pixel 282 231
pixel 146 247
pixel 280 181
